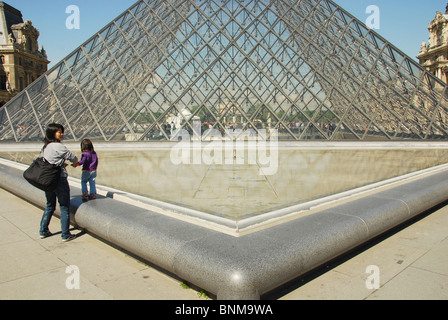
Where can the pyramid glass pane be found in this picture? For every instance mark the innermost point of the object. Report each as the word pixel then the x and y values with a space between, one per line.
pixel 306 68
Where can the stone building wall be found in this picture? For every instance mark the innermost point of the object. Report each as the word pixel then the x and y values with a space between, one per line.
pixel 21 59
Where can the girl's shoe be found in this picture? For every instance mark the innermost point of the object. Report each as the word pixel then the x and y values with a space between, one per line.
pixel 92 196
pixel 85 196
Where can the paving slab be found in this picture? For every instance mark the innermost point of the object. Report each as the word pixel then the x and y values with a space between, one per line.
pixel 414 284
pixel 32 268
pixel 412 264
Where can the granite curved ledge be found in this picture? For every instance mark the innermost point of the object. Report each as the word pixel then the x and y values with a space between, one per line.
pixel 248 266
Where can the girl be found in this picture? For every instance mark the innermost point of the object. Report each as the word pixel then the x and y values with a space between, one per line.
pixel 89 162
pixel 56 153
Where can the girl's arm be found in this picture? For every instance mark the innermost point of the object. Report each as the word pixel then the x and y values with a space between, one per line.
pixel 80 162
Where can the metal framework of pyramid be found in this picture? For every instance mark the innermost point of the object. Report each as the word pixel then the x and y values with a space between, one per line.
pixel 304 67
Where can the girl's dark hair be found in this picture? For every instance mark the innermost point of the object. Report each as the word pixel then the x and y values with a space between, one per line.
pixel 51 132
pixel 87 145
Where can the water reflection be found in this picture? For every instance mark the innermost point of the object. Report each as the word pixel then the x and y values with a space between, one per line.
pixel 238 191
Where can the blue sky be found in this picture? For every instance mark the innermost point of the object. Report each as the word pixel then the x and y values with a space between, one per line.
pixel 404 23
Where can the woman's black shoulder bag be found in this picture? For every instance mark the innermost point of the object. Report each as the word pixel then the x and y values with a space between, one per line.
pixel 43 175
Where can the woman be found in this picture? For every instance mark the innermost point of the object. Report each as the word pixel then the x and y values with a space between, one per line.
pixel 56 153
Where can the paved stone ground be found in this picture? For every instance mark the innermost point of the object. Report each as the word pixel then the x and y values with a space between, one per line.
pixel 411 264
pixel 32 268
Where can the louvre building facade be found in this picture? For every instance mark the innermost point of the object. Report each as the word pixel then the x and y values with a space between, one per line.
pixel 306 68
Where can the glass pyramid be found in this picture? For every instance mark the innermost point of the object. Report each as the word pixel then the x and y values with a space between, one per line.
pixel 304 67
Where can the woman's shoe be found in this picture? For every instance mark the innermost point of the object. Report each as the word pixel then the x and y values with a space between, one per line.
pixel 70 237
pixel 46 235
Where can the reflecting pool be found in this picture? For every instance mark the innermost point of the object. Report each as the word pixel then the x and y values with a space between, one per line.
pixel 238 191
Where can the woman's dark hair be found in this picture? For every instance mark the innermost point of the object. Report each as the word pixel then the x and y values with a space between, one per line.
pixel 87 145
pixel 51 133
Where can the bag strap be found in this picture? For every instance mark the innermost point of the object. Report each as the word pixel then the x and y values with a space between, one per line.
pixel 41 154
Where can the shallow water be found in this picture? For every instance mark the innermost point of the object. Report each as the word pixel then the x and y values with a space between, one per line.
pixel 238 191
